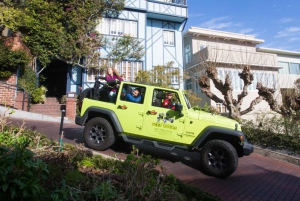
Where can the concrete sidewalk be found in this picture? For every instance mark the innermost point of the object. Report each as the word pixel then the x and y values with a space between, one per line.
pixel 19 114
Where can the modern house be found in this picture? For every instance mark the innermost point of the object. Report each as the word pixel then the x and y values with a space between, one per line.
pixel 229 53
pixel 158 24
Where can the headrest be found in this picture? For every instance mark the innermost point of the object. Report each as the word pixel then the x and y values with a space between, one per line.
pixel 160 95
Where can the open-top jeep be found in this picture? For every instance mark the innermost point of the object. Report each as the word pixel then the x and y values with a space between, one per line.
pixel 219 140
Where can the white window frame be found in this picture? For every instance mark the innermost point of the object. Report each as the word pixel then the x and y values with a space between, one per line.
pixel 169 38
pixel 117 27
pixel 221 108
pixel 129 69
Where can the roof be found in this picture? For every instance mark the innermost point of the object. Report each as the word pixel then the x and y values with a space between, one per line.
pixel 278 51
pixel 196 31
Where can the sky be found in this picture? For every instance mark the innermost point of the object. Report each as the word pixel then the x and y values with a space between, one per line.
pixel 277 22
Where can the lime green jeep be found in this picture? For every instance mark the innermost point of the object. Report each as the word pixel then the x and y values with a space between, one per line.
pixel 219 140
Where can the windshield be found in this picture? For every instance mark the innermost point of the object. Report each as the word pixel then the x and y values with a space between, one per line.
pixel 187 101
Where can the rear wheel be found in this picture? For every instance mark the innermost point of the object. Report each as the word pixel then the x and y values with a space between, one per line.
pixel 98 134
pixel 219 158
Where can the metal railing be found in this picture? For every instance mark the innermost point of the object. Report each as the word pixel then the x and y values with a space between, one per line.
pixel 182 2
pixel 15 89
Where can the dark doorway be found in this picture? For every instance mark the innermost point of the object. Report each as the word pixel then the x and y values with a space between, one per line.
pixel 56 78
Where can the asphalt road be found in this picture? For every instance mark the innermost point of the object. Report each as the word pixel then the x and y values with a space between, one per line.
pixel 257 178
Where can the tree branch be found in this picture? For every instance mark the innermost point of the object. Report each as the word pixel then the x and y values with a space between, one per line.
pixel 204 83
pixel 251 107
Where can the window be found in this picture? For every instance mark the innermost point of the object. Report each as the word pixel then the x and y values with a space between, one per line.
pixel 289 68
pixel 295 68
pixel 188 84
pixel 187 52
pixel 165 99
pixel 196 84
pixel 173 73
pixel 130 69
pixel 285 69
pixel 169 38
pixel 133 93
pixel 93 72
pixel 268 79
pixel 117 27
pixel 130 28
pixel 221 108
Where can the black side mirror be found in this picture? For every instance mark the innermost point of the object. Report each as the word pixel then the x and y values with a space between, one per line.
pixel 178 107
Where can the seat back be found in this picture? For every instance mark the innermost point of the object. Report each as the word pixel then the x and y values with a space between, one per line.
pixel 158 99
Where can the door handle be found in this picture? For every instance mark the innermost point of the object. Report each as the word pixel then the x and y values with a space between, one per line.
pixel 123 107
pixel 152 112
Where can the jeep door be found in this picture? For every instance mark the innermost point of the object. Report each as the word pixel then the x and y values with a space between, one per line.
pixel 130 114
pixel 161 121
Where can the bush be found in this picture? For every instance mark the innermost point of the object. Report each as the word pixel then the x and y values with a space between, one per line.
pixel 11 60
pixel 39 95
pixel 22 176
pixel 33 167
pixel 28 80
pixel 273 131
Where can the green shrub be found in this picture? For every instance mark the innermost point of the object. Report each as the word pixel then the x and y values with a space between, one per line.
pixel 43 173
pixel 39 95
pixel 273 131
pixel 22 176
pixel 28 80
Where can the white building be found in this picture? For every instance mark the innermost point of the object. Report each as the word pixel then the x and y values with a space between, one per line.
pixel 230 52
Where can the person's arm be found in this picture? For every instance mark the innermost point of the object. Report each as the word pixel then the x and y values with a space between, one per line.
pixel 117 78
pixel 165 103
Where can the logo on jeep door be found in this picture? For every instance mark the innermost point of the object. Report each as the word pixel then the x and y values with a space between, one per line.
pixel 164 117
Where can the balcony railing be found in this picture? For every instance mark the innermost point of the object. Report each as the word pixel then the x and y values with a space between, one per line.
pixel 238 57
pixel 182 2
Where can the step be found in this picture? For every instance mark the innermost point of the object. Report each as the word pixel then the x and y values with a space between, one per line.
pixel 48 109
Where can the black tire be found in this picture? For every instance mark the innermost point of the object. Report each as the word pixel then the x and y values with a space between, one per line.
pixel 219 158
pixel 98 134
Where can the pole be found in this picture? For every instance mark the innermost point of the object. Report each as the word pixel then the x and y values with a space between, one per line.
pixel 63 113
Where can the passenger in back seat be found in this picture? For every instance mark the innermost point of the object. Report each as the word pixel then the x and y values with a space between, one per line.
pixel 135 96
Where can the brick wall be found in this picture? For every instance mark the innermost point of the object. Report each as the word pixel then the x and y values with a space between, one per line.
pixel 9 95
pixel 71 108
pixel 7 91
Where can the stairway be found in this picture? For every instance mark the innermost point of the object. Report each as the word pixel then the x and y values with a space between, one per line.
pixel 51 107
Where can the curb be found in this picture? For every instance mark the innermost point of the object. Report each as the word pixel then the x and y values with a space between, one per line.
pixel 278 156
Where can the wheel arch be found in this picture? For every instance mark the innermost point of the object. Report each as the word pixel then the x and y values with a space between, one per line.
pixel 109 115
pixel 212 133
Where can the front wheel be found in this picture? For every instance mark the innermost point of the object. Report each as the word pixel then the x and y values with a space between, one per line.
pixel 98 134
pixel 219 158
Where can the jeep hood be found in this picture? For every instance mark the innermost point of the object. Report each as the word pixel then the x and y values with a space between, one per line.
pixel 213 119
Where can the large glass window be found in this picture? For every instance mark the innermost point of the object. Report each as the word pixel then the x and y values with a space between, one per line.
pixel 268 79
pixel 294 68
pixel 169 38
pixel 117 27
pixel 285 69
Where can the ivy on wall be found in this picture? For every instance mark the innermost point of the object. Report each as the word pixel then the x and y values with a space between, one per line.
pixel 11 60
